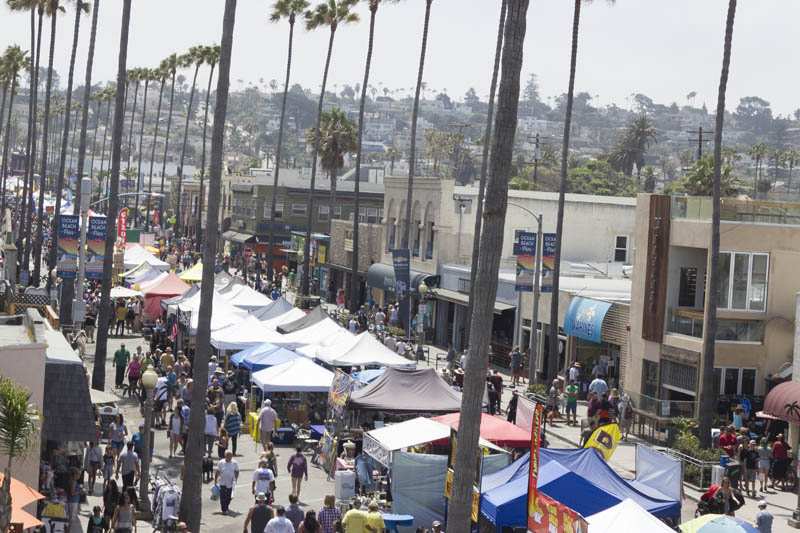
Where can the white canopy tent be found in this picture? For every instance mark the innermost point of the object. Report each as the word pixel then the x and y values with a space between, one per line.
pixel 365 351
pixel 243 334
pixel 171 304
pixel 297 375
pixel 381 443
pixel 274 309
pixel 627 515
pixel 223 314
pixel 289 316
pixel 337 340
pixel 244 297
pixel 322 333
pixel 136 255
pixel 124 292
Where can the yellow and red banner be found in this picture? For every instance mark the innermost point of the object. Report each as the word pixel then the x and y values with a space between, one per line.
pixel 549 516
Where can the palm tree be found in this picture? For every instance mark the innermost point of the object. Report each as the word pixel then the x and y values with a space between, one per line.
pixel 338 138
pixel 170 64
pixel 354 284
pixel 80 7
pixel 330 13
pixel 136 76
pixel 758 152
pixel 458 519
pixel 161 74
pixel 99 370
pixel 552 355
pixel 487 139
pixel 412 151
pixel 191 501
pixel 210 57
pixel 108 95
pixel 87 94
pixel 708 399
pixel 282 9
pixel 5 82
pixel 194 57
pixel 18 428
pixel 15 61
pixel 148 76
pixel 791 158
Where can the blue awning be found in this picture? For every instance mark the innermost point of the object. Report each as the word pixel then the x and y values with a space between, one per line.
pixel 584 318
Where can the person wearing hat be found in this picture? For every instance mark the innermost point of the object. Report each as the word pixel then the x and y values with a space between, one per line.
pixel 436 527
pixel 259 515
pixel 763 517
pixel 349 451
pixel 375 523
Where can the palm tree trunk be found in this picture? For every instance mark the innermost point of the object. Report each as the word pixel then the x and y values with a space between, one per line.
pixel 30 156
pixel 87 94
pixel 552 353
pixel 97 108
pixel 139 163
pixel 707 406
pixel 3 109
pixel 412 152
pixel 99 371
pixel 270 256
pixel 458 519
pixel 166 150
pixel 64 140
pixel 103 148
pixel 130 137
pixel 354 283
pixel 487 139
pixel 45 140
pixel 6 144
pixel 199 230
pixel 73 137
pixel 191 501
pixel 307 245
pixel 153 153
pixel 183 154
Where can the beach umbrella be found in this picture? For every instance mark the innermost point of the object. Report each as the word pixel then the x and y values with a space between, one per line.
pixel 717 523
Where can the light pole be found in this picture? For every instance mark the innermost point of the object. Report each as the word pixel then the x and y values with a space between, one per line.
pixel 423 297
pixel 149 381
pixel 533 344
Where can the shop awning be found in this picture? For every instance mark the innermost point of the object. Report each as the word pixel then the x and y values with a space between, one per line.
pixel 463 299
pixel 235 236
pixel 381 276
pixel 584 318
pixel 783 402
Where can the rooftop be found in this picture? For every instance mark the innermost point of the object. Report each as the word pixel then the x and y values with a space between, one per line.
pixel 472 190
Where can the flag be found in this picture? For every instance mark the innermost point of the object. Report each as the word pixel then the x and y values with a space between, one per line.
pixel 605 439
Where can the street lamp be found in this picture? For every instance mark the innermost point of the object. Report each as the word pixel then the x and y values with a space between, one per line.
pixel 423 290
pixel 149 381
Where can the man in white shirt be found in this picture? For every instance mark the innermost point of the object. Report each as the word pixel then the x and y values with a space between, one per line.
pixel 262 479
pixel 266 423
pixel 401 347
pixel 212 367
pixel 226 476
pixel 279 524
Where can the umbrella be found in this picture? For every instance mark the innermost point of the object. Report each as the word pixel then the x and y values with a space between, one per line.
pixel 717 523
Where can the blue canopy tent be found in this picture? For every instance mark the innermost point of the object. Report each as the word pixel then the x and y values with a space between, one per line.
pixel 580 479
pixel 262 356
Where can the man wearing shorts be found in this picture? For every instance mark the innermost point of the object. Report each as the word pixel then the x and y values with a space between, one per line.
pixel 266 423
pixel 572 403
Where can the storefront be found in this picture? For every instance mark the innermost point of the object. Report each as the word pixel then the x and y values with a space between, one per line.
pixel 381 285
pixel 597 337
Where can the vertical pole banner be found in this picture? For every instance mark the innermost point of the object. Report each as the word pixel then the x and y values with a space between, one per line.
pixel 525 250
pixel 401 260
pixel 122 229
pixel 69 229
pixel 534 513
pixel 548 261
pixel 96 247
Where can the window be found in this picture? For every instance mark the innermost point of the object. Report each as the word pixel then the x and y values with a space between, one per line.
pixel 324 213
pixel 650 378
pixel 743 281
pixel 688 287
pixel 417 240
pixel 740 330
pixel 621 249
pixel 372 215
pixel 431 240
pixel 735 381
pixel 299 210
pixel 278 210
pixel 337 211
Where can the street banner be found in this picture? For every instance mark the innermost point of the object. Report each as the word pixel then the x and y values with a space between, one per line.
pixel 401 260
pixel 533 473
pixel 605 439
pixel 341 387
pixel 548 261
pixel 550 516
pixel 69 228
pixel 122 228
pixel 525 250
pixel 96 247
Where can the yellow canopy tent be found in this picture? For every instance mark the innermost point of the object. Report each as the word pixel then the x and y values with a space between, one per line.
pixel 193 274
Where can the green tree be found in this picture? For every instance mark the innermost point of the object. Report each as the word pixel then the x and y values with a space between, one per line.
pixel 791 157
pixel 147 75
pixel 282 10
pixel 14 61
pixel 699 180
pixel 458 519
pixel 338 138
pixel 18 428
pixel 552 359
pixel 87 94
pixel 99 369
pixel 649 174
pixel 191 501
pixel 632 146
pixel 599 177
pixel 329 14
pixel 758 152
pixel 708 398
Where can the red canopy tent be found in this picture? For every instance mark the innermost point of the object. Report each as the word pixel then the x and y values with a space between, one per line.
pixel 495 430
pixel 169 287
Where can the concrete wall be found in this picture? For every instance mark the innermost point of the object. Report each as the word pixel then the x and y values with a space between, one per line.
pixel 370 239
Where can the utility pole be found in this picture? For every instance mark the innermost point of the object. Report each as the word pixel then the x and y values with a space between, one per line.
pixel 536 156
pixel 700 136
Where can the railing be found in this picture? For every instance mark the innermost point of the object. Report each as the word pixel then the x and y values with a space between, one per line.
pixel 697 473
pixel 685 322
pixel 737 210
pixel 662 408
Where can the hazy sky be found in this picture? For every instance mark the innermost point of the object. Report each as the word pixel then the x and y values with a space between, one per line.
pixel 663 48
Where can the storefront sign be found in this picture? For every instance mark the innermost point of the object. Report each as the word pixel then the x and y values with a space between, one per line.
pixel 122 228
pixel 655 280
pixel 584 318
pixel 96 247
pixel 68 235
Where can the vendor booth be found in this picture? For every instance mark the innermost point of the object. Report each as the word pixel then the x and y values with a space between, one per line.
pixel 244 297
pixel 170 305
pixel 365 350
pixel 296 375
pixel 123 292
pixel 288 316
pixel 626 516
pixel 495 430
pixel 136 255
pixel 407 391
pixel 243 334
pixel 168 287
pixel 262 356
pixel 275 309
pixel 325 332
pixel 223 313
pixel 193 274
pixel 317 314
